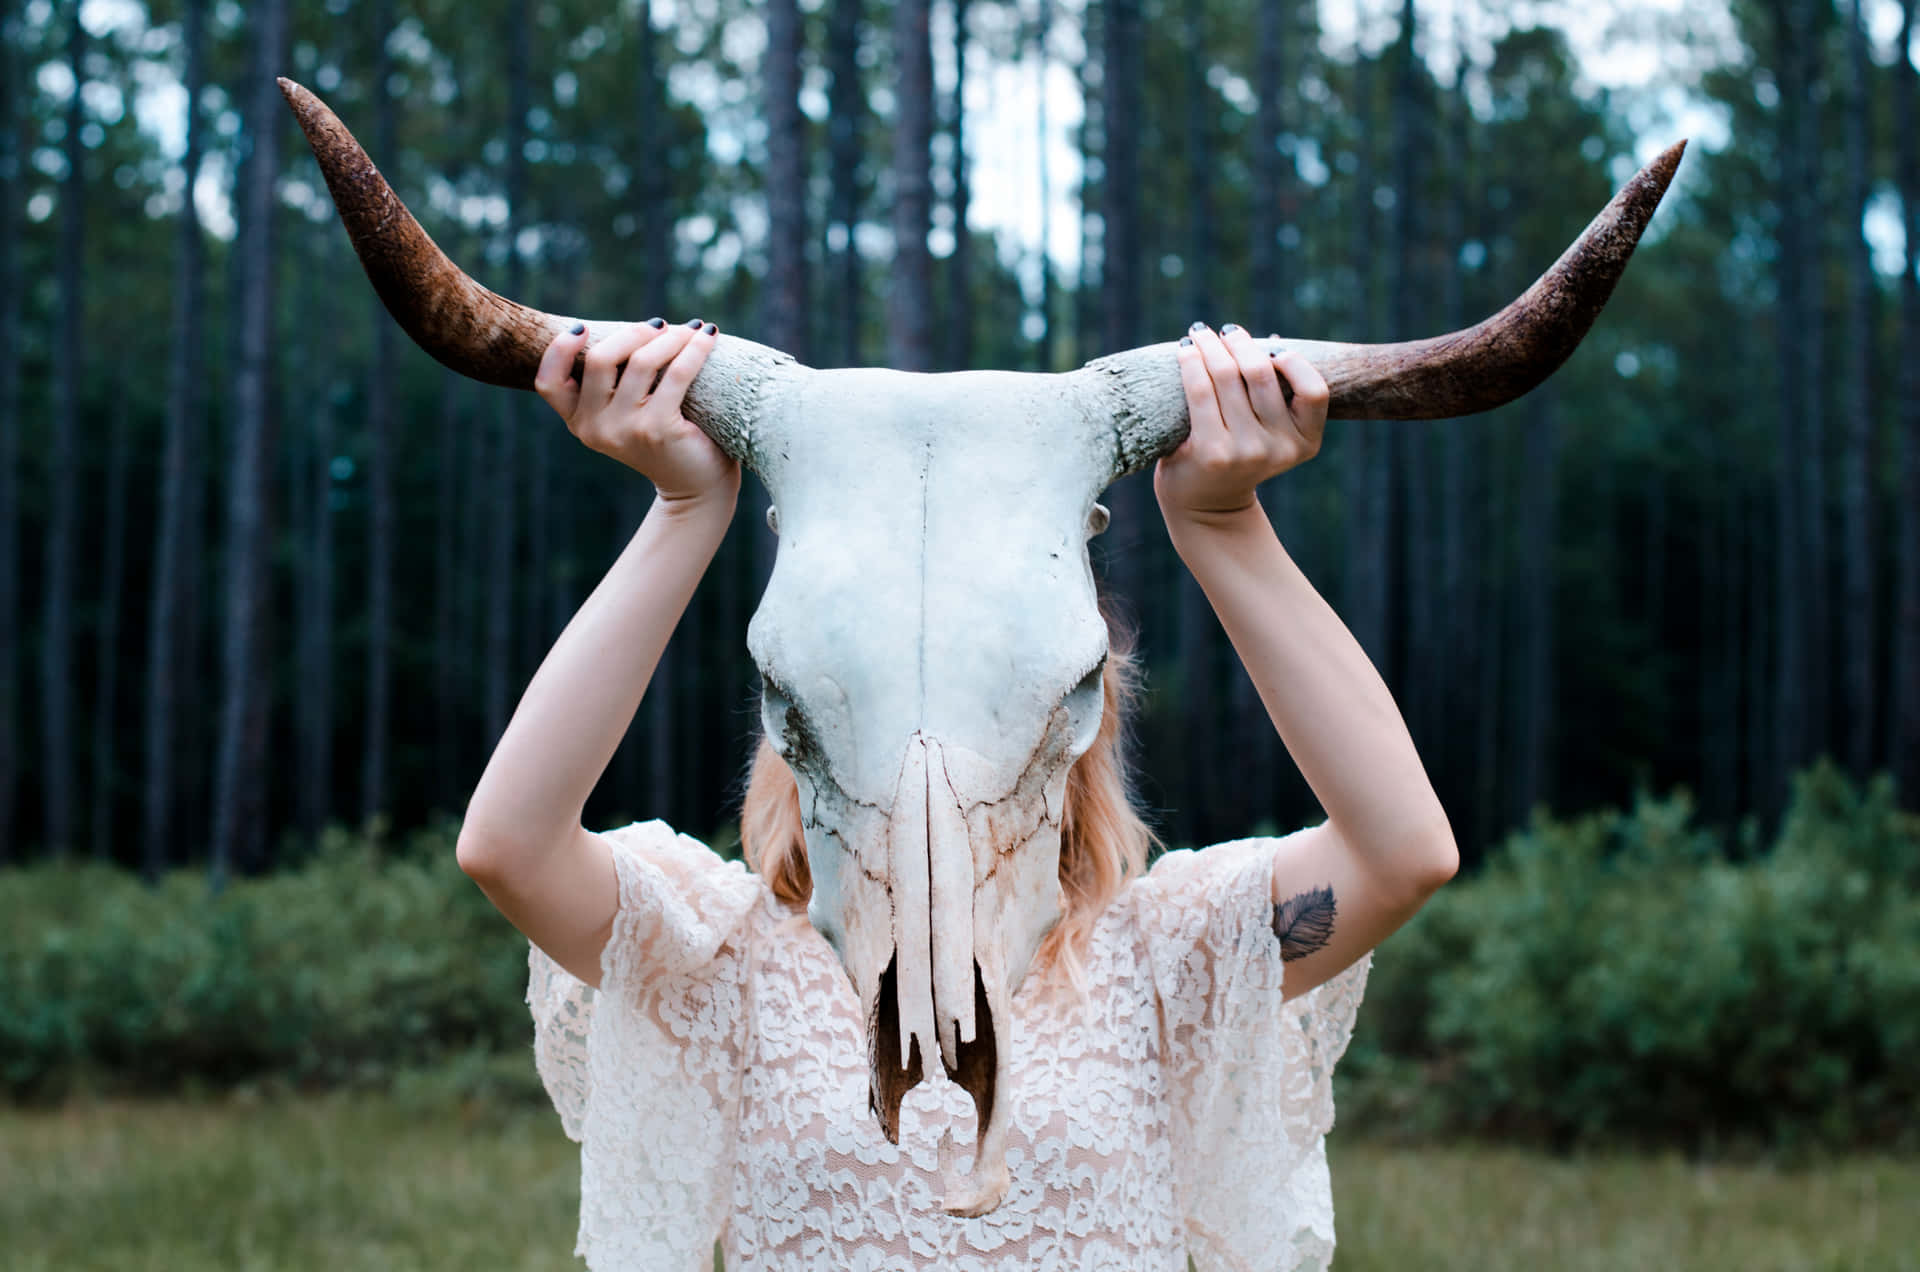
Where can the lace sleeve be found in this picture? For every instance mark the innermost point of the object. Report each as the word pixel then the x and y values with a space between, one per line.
pixel 679 903
pixel 645 1071
pixel 1250 1073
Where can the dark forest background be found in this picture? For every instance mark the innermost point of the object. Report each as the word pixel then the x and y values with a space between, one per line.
pixel 264 566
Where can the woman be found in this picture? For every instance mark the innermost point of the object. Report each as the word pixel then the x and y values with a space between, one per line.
pixel 1176 1037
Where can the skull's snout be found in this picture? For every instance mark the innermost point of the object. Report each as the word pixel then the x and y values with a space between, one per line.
pixel 932 999
pixel 931 869
pixel 945 991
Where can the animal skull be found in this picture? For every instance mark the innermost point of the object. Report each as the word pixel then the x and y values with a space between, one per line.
pixel 929 641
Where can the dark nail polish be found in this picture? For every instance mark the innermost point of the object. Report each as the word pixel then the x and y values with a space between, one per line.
pixel 656 323
pixel 1230 328
pixel 1198 326
pixel 577 328
pixel 694 323
pixel 1186 342
pixel 710 328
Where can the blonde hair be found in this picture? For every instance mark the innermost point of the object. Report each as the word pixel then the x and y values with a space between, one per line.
pixel 1103 840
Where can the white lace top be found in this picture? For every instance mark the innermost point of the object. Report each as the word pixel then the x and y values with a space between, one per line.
pixel 717 1086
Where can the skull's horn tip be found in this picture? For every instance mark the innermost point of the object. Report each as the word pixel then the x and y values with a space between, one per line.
pixel 1664 164
pixel 298 97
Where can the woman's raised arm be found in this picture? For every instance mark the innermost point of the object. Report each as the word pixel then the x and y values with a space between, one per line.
pixel 522 841
pixel 1386 844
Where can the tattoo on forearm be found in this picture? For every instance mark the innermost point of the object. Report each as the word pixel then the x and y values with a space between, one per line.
pixel 1304 924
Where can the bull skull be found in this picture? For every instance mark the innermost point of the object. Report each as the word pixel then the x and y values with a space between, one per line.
pixel 929 640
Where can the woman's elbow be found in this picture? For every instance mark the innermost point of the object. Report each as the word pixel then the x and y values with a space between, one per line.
pixel 1436 862
pixel 483 856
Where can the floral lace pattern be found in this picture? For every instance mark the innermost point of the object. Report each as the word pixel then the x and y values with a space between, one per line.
pixel 717 1086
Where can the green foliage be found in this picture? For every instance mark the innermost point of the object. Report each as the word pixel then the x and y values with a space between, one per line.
pixel 348 969
pixel 1626 975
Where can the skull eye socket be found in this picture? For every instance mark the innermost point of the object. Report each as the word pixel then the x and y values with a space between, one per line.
pixel 776 713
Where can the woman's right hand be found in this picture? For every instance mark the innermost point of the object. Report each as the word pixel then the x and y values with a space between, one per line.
pixel 635 415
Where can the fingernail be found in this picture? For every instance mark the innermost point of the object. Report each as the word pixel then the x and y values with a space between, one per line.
pixel 1186 342
pixel 710 328
pixel 1230 328
pixel 577 328
pixel 656 323
pixel 1198 326
pixel 694 323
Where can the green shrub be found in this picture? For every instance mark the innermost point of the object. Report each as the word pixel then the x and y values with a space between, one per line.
pixel 1618 976
pixel 1623 975
pixel 349 968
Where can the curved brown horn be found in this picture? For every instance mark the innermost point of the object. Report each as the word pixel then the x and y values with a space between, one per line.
pixel 1459 373
pixel 478 332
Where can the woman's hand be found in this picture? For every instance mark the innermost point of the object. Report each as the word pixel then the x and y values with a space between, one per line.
pixel 634 414
pixel 1254 413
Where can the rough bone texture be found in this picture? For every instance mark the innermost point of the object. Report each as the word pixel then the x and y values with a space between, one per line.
pixel 1460 373
pixel 480 333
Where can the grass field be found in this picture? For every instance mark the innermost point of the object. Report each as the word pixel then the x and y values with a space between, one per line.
pixel 356 1181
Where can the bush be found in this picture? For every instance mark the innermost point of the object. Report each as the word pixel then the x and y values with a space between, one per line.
pixel 349 968
pixel 1619 976
pixel 1625 975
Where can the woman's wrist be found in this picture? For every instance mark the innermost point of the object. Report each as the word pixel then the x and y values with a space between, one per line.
pixel 1198 530
pixel 706 509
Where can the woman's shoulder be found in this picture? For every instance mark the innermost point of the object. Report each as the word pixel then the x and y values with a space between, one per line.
pixel 1199 880
pixel 673 878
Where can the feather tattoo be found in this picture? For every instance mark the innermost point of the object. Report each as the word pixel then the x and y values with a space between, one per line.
pixel 1304 924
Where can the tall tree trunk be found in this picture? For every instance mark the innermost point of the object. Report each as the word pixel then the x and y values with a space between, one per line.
pixel 1489 792
pixel 502 464
pixel 1860 610
pixel 536 578
pixel 473 572
pixel 1122 293
pixel 1532 767
pixel 1719 643
pixel 652 747
pixel 1459 634
pixel 846 108
pixel 12 186
pixel 1044 354
pixel 1810 324
pixel 959 311
pixel 1121 290
pixel 1369 472
pixel 1271 285
pixel 56 635
pixel 313 487
pixel 106 661
pixel 1090 270
pixel 1420 667
pixel 785 317
pixel 1197 632
pixel 1763 708
pixel 1270 310
pixel 180 459
pixel 910 286
pixel 1792 668
pixel 451 452
pixel 240 776
pixel 1905 749
pixel 380 528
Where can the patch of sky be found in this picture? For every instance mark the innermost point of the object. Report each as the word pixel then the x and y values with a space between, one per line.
pixel 1886 236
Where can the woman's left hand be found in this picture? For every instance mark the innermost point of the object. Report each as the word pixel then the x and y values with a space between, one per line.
pixel 1254 413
